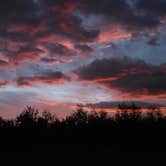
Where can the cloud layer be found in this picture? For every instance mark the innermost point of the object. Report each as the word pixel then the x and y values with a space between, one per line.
pixel 46 77
pixel 32 29
pixel 126 75
pixel 43 41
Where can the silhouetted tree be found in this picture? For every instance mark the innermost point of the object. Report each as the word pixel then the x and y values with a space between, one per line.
pixel 154 112
pixel 128 129
pixel 130 112
pixel 46 120
pixel 2 122
pixel 79 117
pixel 28 118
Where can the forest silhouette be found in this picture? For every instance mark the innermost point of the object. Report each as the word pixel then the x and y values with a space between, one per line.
pixel 86 138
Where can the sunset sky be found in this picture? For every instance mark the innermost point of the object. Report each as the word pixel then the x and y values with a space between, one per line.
pixel 58 53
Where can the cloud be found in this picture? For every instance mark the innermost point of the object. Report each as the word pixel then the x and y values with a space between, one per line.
pixel 111 106
pixel 3 83
pixel 49 60
pixel 59 49
pixel 110 68
pixel 154 42
pixel 84 49
pixel 130 76
pixel 26 24
pixel 28 52
pixel 149 84
pixel 3 63
pixel 47 77
pixel 36 24
pixel 132 15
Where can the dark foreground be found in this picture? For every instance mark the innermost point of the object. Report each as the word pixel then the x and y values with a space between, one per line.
pixel 128 138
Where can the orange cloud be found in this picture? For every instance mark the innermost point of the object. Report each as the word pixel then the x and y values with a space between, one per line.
pixel 3 84
pixel 110 33
pixel 47 102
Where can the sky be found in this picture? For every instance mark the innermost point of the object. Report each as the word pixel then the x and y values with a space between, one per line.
pixel 55 54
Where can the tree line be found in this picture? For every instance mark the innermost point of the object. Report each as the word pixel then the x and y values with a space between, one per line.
pixel 86 138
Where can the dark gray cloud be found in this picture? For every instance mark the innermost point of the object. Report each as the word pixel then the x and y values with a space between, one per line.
pixel 49 60
pixel 58 49
pixel 126 75
pixel 45 77
pixel 29 22
pixel 105 68
pixel 3 63
pixel 115 104
pixel 133 15
pixel 148 84
pixel 154 42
